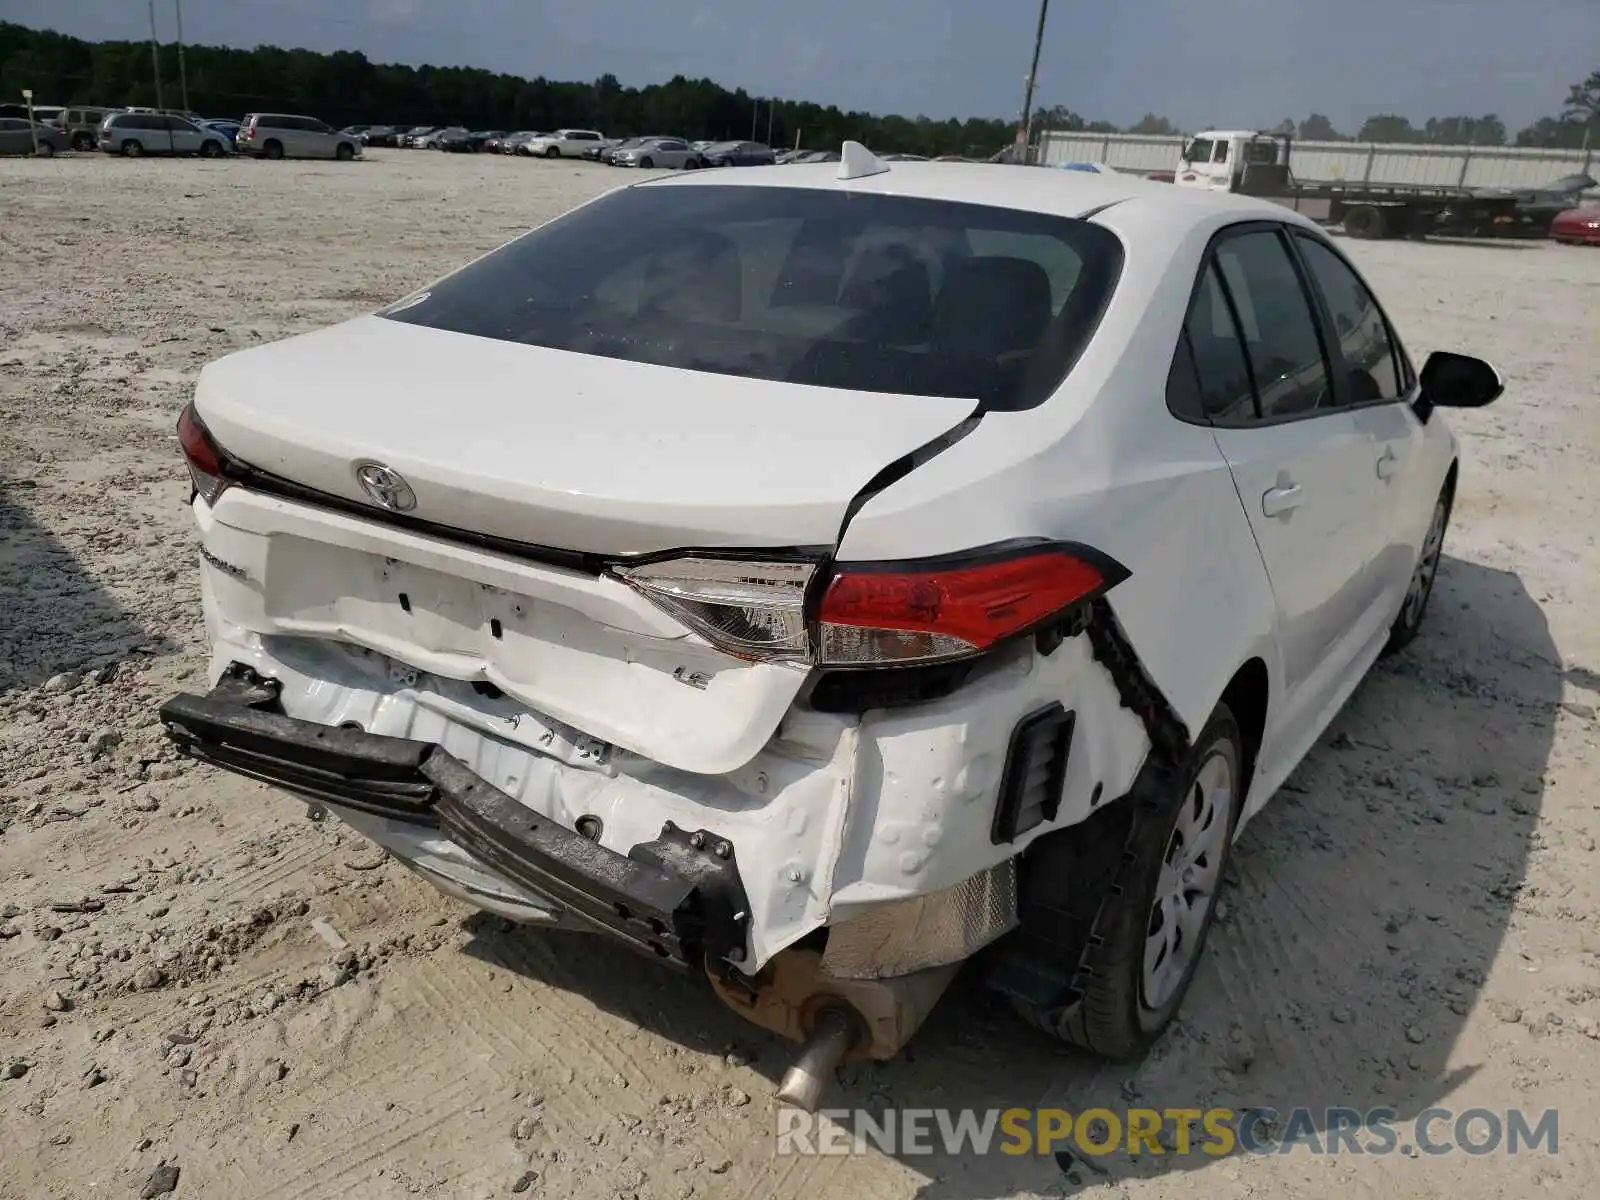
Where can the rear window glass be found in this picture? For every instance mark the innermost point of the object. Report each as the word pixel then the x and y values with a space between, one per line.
pixel 872 293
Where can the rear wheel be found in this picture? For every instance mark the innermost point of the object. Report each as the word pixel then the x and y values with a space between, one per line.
pixel 1365 221
pixel 273 150
pixel 82 142
pixel 1148 946
pixel 1409 621
pixel 132 148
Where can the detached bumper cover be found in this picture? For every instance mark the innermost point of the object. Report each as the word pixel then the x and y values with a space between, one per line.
pixel 678 898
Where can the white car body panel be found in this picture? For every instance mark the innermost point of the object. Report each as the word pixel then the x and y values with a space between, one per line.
pixel 831 814
pixel 733 468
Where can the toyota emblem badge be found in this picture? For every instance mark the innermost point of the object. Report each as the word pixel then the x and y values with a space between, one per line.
pixel 386 487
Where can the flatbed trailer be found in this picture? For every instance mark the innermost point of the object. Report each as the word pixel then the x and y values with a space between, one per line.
pixel 1257 164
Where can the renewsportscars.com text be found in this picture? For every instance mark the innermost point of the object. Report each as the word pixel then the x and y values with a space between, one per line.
pixel 1178 1132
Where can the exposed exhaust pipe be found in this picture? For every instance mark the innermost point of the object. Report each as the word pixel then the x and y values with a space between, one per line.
pixel 833 1033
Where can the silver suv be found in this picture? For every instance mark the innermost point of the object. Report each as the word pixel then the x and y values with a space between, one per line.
pixel 280 135
pixel 131 134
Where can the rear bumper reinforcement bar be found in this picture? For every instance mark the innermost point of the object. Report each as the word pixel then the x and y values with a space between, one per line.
pixel 664 898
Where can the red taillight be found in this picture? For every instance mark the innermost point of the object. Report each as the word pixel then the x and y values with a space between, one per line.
pixel 205 459
pixel 889 615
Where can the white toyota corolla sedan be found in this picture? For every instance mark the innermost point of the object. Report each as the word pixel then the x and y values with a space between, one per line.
pixel 814 576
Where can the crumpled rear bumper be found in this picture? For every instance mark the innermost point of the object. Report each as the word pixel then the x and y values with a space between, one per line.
pixel 678 898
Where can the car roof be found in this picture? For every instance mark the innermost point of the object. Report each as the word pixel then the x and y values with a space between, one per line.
pixel 1002 185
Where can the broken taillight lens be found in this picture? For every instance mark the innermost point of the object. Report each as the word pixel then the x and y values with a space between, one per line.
pixel 751 610
pixel 206 461
pixel 890 614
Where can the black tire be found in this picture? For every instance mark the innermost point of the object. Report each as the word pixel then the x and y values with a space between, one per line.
pixel 46 149
pixel 272 150
pixel 83 142
pixel 647 162
pixel 1365 221
pixel 345 152
pixel 553 152
pixel 691 164
pixel 132 148
pixel 1414 607
pixel 210 149
pixel 1116 1018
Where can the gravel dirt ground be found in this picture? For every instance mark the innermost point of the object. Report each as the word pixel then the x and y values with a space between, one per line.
pixel 194 976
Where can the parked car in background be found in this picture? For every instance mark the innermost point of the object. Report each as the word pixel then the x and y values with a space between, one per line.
pixel 609 149
pixel 670 152
pixel 455 140
pixel 380 135
pixel 808 156
pixel 520 143
pixel 225 127
pixel 286 135
pixel 437 139
pixel 412 138
pixel 1577 226
pixel 132 134
pixel 738 154
pixel 18 135
pixel 80 126
pixel 1534 212
pixel 478 139
pixel 355 131
pixel 563 143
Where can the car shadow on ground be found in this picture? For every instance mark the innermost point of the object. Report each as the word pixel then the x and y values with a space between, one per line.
pixel 1367 904
pixel 55 615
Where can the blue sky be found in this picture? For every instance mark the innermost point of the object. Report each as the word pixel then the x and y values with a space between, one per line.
pixel 1198 62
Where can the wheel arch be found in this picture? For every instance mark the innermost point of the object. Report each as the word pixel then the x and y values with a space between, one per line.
pixel 1247 696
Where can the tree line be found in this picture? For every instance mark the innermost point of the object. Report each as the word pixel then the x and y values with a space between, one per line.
pixel 345 87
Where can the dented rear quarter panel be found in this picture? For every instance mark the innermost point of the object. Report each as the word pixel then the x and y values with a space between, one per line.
pixel 1102 462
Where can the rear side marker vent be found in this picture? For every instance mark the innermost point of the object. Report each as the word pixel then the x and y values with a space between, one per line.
pixel 1035 773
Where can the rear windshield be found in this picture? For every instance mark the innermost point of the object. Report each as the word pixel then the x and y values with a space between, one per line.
pixel 868 292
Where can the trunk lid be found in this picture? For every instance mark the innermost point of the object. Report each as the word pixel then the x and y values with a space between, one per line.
pixel 537 446
pixel 560 449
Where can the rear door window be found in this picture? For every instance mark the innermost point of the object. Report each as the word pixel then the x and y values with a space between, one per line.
pixel 1227 392
pixel 1277 324
pixel 1370 357
pixel 872 293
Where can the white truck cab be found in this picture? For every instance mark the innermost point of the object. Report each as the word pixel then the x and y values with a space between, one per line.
pixel 1216 159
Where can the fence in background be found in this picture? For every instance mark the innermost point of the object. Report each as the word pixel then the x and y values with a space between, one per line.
pixel 1353 162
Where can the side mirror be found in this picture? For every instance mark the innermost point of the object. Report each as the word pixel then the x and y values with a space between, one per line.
pixel 1459 381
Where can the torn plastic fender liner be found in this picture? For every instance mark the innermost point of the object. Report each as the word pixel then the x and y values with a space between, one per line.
pixel 1065 902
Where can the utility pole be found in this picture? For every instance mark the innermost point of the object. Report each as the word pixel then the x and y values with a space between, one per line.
pixel 183 78
pixel 755 115
pixel 1025 124
pixel 155 53
pixel 771 104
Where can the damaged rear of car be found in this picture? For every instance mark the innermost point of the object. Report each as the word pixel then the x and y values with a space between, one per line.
pixel 751 572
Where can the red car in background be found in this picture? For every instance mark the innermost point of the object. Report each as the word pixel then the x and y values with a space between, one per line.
pixel 1577 226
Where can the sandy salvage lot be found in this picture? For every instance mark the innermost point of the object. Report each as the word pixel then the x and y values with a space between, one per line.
pixel 1414 922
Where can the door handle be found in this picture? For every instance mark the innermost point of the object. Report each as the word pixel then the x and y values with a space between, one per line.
pixel 1280 501
pixel 1387 462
